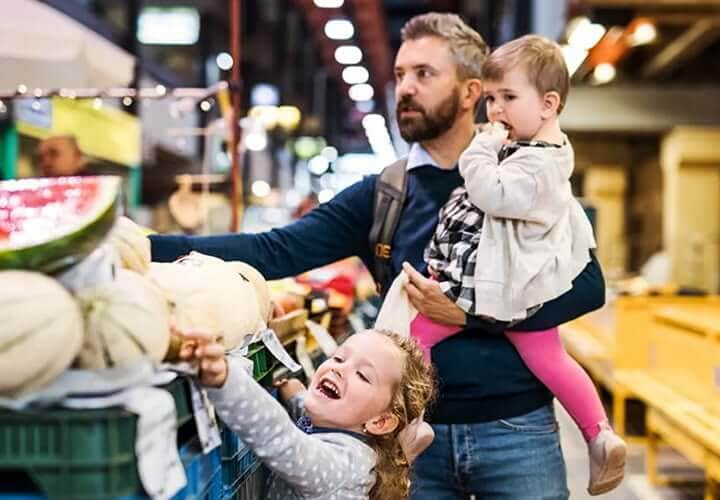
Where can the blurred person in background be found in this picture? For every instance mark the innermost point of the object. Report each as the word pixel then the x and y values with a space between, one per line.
pixel 495 427
pixel 59 156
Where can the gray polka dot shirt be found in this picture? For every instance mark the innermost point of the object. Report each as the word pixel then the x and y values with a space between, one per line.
pixel 304 466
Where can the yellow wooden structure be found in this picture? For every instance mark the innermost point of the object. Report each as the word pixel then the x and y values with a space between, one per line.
pixel 618 337
pixel 681 388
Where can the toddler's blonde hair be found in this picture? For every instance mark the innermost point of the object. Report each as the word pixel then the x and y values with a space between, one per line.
pixel 541 59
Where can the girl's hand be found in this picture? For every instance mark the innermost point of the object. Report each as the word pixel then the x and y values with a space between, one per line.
pixel 289 387
pixel 204 348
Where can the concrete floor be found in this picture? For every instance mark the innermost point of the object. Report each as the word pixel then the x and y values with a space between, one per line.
pixel 635 486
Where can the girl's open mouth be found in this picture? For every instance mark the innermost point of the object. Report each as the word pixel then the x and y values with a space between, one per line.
pixel 329 389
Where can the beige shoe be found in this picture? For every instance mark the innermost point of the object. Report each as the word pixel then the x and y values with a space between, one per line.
pixel 607 461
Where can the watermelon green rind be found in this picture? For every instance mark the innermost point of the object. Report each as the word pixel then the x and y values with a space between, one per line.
pixel 60 253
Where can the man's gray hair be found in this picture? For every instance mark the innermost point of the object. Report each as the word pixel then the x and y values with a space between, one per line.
pixel 466 45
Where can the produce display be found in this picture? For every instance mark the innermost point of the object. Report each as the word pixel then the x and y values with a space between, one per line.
pixel 124 321
pixel 207 293
pixel 121 310
pixel 42 331
pixel 49 224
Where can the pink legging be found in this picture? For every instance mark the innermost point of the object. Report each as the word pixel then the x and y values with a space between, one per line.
pixel 546 358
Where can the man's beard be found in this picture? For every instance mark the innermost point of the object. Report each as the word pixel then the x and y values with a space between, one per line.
pixel 428 125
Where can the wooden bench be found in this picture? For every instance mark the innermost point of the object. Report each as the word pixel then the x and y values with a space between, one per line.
pixel 674 419
pixel 617 337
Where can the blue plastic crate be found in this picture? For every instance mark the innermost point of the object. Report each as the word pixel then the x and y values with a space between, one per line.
pixel 249 487
pixel 204 473
pixel 238 460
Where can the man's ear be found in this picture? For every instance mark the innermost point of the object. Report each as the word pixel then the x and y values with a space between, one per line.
pixel 551 104
pixel 471 93
pixel 385 423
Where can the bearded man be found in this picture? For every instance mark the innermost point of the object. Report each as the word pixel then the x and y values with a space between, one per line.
pixel 496 433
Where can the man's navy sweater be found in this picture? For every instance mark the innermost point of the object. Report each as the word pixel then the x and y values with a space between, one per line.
pixel 481 376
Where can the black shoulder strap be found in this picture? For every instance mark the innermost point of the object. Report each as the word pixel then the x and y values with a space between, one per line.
pixel 389 198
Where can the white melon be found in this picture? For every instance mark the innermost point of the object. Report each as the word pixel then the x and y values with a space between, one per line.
pixel 125 320
pixel 41 331
pixel 208 296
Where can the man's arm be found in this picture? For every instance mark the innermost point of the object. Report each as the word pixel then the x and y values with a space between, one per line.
pixel 333 231
pixel 587 294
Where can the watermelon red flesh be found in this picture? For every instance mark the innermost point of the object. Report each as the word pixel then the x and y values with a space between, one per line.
pixel 49 224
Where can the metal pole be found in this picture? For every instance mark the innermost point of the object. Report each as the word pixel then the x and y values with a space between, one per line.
pixel 236 188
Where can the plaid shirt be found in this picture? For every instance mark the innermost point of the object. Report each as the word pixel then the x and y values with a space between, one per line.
pixel 452 252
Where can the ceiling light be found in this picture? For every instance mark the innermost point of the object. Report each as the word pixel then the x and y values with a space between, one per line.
pixel 288 117
pixel 583 34
pixel 329 4
pixel 318 165
pixel 224 61
pixel 348 54
pixel 339 29
pixel 355 74
pixel 644 33
pixel 329 152
pixel 168 25
pixel 373 120
pixel 267 115
pixel 574 57
pixel 604 73
pixel 256 141
pixel 260 189
pixel 361 92
pixel 365 106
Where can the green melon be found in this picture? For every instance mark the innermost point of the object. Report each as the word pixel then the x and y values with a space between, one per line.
pixel 49 224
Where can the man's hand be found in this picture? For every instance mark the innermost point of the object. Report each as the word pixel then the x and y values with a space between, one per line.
pixel 427 297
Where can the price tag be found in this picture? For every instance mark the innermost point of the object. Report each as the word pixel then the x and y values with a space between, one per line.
pixel 207 427
pixel 276 348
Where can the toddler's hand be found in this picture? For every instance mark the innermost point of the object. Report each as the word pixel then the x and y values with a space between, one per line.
pixel 493 134
pixel 209 353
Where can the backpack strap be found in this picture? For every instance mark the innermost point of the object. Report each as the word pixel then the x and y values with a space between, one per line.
pixel 390 191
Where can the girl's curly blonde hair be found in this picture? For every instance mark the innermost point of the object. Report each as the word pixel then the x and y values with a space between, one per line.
pixel 410 398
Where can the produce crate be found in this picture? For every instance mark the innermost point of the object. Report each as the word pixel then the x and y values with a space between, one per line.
pixel 204 473
pixel 88 454
pixel 263 363
pixel 85 454
pixel 251 486
pixel 238 461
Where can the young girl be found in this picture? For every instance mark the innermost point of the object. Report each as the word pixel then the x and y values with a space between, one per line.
pixel 347 444
pixel 514 237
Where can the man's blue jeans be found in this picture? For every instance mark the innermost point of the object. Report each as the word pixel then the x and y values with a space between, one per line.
pixel 517 458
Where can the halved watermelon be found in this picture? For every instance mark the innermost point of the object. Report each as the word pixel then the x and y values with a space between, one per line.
pixel 49 224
